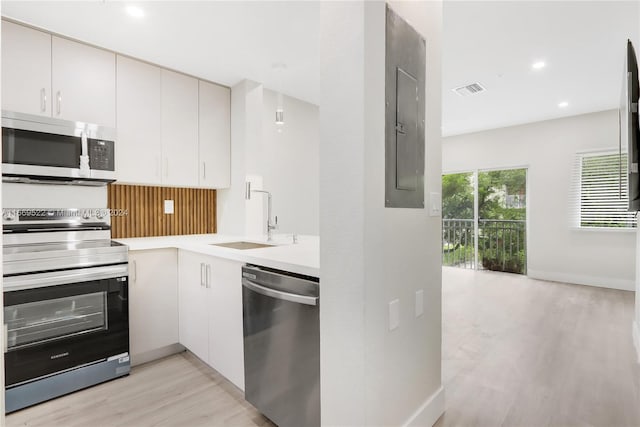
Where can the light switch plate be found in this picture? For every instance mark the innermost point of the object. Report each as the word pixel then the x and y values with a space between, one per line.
pixel 394 314
pixel 168 206
pixel 435 203
pixel 419 303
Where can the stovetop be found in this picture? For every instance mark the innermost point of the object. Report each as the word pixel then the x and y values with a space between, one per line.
pixel 36 240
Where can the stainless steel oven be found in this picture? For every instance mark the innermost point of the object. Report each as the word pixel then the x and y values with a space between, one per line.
pixel 65 303
pixel 36 148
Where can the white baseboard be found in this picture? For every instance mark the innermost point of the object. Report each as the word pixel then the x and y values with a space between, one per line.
pixel 148 356
pixel 600 282
pixel 636 338
pixel 429 411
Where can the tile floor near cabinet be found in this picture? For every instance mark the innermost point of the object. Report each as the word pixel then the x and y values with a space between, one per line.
pixel 176 391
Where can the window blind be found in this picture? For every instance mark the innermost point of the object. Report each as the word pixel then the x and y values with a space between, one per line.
pixel 603 195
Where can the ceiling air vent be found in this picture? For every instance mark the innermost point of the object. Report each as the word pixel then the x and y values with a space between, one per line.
pixel 472 89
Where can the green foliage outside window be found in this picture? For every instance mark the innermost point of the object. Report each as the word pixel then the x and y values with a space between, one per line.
pixel 501 197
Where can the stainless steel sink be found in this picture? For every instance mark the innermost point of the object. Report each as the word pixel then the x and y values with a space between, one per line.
pixel 242 245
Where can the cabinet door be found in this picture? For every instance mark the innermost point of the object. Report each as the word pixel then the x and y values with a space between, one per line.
pixel 139 117
pixel 83 82
pixel 153 300
pixel 26 70
pixel 179 130
pixel 193 303
pixel 214 127
pixel 226 345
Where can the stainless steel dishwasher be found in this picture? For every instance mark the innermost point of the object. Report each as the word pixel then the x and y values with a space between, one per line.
pixel 282 345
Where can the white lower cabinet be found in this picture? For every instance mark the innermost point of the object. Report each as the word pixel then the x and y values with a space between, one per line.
pixel 226 345
pixel 193 303
pixel 153 302
pixel 210 295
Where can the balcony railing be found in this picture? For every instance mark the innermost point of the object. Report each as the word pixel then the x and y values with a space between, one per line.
pixel 501 244
pixel 458 243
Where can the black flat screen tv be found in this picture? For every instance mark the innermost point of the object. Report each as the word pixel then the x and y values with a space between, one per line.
pixel 629 125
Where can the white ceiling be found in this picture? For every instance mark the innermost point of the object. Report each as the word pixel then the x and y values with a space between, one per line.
pixel 495 44
pixel 221 41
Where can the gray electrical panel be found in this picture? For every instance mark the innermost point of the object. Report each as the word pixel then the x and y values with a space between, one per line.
pixel 405 59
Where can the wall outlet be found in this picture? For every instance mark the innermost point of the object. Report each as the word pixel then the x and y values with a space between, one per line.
pixel 168 206
pixel 394 314
pixel 419 303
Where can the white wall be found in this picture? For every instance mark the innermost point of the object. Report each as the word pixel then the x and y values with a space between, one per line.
pixel 635 330
pixel 555 249
pixel 286 162
pixel 371 255
pixel 246 100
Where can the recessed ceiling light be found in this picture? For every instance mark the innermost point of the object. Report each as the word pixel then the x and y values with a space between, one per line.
pixel 135 11
pixel 563 104
pixel 538 65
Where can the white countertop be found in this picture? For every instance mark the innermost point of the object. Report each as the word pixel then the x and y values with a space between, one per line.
pixel 302 257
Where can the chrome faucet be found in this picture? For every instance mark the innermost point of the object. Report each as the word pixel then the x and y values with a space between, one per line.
pixel 271 225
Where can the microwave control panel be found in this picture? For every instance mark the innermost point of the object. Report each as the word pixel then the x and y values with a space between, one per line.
pixel 101 155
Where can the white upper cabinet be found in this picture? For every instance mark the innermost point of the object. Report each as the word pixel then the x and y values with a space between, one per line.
pixel 83 82
pixel 139 114
pixel 173 129
pixel 214 135
pixel 26 70
pixel 179 130
pixel 55 77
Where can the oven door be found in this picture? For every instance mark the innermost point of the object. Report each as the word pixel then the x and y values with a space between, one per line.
pixel 59 320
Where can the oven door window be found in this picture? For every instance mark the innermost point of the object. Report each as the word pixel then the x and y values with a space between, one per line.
pixel 33 323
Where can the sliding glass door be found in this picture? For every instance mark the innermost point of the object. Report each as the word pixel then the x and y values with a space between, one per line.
pixel 484 220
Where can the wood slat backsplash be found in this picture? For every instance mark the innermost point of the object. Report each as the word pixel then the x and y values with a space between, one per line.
pixel 138 211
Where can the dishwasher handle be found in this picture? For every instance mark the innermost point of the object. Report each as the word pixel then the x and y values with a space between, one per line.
pixel 286 296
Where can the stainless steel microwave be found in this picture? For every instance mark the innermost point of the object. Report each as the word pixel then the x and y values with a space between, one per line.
pixel 43 149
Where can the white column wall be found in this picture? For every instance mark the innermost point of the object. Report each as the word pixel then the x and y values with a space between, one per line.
pixel 371 255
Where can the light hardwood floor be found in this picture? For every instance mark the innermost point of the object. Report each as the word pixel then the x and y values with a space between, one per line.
pixel 176 391
pixel 516 352
pixel 523 352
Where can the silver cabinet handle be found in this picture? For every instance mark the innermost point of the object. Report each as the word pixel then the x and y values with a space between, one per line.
pixel 43 100
pixel 202 274
pixel 135 271
pixel 286 296
pixel 208 278
pixel 204 170
pixel 59 102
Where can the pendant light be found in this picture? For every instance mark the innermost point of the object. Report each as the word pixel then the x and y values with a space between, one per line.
pixel 279 70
